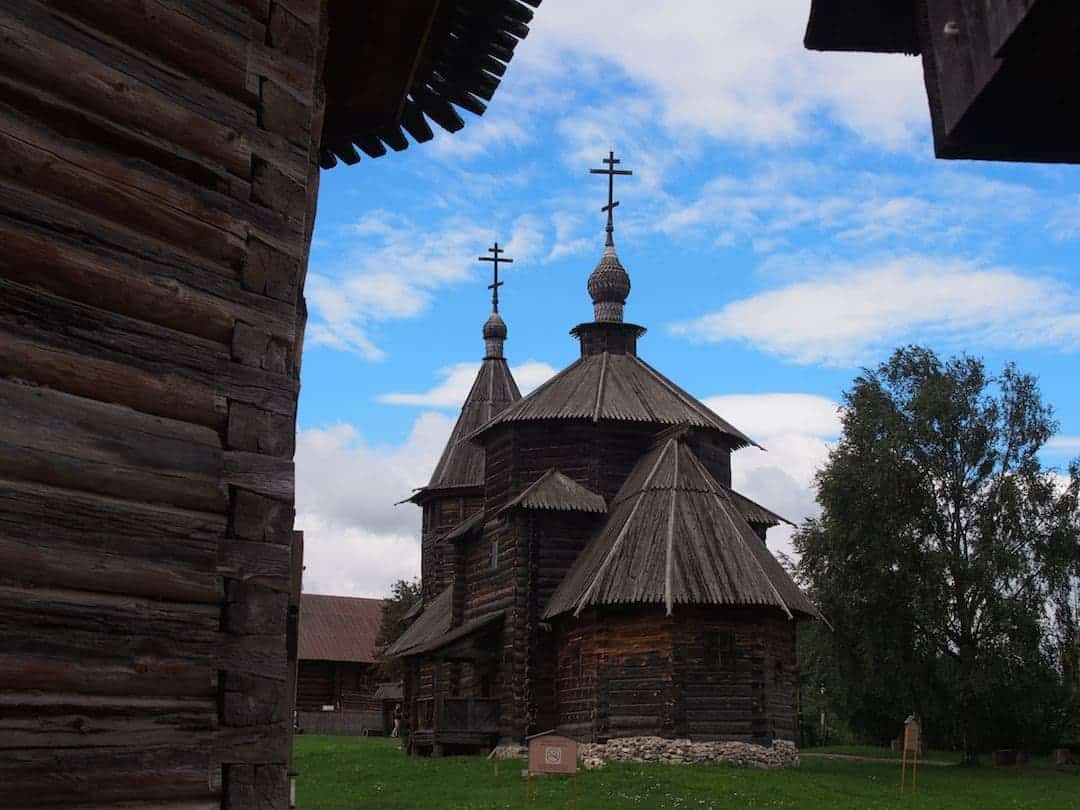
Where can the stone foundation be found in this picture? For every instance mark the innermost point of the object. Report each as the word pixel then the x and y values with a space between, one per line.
pixel 509 751
pixel 782 753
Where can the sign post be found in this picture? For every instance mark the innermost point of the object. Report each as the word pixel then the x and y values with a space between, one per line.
pixel 912 740
pixel 550 753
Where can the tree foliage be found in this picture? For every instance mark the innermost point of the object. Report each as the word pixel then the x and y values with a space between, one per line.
pixel 946 558
pixel 404 596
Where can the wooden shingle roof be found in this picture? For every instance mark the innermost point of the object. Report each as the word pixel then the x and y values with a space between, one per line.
pixel 401 66
pixel 755 513
pixel 462 461
pixel 338 628
pixel 675 536
pixel 434 628
pixel 616 387
pixel 430 625
pixel 555 491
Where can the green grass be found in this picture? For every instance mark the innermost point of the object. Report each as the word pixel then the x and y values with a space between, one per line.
pixel 347 773
pixel 878 752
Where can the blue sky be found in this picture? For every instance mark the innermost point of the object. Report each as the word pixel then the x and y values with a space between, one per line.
pixel 786 224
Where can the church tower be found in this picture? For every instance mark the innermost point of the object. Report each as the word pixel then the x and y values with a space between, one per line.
pixel 455 491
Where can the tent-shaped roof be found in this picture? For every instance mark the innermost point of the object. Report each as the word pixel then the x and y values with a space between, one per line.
pixel 555 491
pixel 462 461
pixel 674 536
pixel 620 387
pixel 338 628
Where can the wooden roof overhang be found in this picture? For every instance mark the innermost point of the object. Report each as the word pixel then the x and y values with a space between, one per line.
pixel 394 66
pixel 607 387
pixel 1002 76
pixel 433 633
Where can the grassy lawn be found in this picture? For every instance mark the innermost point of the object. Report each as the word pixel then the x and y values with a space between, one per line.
pixel 347 773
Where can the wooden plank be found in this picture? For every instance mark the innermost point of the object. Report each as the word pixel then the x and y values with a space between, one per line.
pixel 129 192
pixel 67 539
pixel 62 440
pixel 265 475
pixel 50 54
pixel 71 720
pixel 206 46
pixel 53 777
pixel 144 366
pixel 264 564
pixel 75 254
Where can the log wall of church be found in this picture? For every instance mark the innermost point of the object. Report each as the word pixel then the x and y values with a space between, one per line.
pixel 703 674
pixel 158 195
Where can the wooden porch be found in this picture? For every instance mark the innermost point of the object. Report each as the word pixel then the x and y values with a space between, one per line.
pixel 457 722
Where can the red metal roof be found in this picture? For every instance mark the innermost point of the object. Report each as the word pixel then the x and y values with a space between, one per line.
pixel 338 628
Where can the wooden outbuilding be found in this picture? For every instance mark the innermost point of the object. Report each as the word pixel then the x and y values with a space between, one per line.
pixel 159 166
pixel 1000 74
pixel 599 576
pixel 338 674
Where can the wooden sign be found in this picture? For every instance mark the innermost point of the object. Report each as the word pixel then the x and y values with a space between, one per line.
pixel 552 754
pixel 912 733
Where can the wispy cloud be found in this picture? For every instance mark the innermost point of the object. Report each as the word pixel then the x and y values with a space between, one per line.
pixel 735 72
pixel 456 380
pixel 850 314
pixel 392 269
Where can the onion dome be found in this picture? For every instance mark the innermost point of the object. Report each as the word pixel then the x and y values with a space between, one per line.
pixel 609 286
pixel 495 327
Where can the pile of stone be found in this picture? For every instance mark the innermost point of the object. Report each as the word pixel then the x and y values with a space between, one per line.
pixel 781 754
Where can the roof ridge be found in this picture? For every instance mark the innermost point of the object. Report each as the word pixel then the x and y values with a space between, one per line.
pixel 618 540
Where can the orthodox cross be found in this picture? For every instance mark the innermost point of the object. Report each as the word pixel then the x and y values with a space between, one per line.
pixel 610 171
pixel 495 258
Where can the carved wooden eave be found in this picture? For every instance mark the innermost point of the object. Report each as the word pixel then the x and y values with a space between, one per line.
pixel 394 67
pixel 1000 75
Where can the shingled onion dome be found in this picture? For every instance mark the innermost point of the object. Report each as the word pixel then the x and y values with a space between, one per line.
pixel 494 335
pixel 609 286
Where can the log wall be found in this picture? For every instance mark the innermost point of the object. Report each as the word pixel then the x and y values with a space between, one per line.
pixel 702 674
pixel 158 194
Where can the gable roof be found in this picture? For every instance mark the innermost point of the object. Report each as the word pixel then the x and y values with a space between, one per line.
pixel 617 387
pixel 462 462
pixel 674 536
pixel 754 513
pixel 557 492
pixel 338 628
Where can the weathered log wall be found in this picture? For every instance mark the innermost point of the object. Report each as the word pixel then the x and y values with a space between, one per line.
pixel 702 674
pixel 158 197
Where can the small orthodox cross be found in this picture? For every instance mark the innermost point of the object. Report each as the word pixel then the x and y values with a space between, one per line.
pixel 610 171
pixel 495 258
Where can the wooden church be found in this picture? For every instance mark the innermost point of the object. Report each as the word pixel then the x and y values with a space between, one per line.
pixel 586 566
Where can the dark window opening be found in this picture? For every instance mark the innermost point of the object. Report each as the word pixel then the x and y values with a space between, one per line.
pixel 720 650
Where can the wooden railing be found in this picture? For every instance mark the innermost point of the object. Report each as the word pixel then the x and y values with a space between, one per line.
pixel 469 714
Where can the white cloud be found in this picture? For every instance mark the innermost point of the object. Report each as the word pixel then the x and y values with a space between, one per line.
pixel 735 71
pixel 392 270
pixel 796 429
pixel 849 315
pixel 456 380
pixel 356 541
pixel 1063 445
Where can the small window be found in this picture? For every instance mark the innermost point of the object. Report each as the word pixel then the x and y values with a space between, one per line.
pixel 494 554
pixel 719 650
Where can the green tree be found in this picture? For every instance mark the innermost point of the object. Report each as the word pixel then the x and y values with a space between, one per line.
pixel 404 596
pixel 943 550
